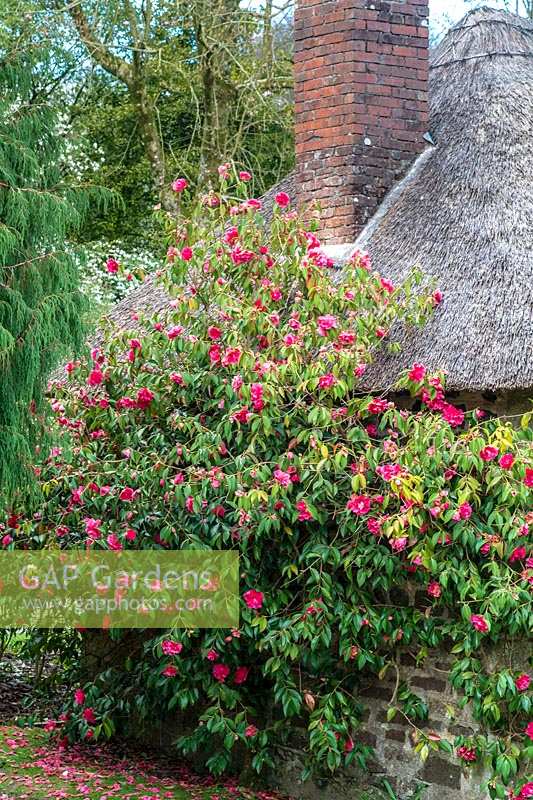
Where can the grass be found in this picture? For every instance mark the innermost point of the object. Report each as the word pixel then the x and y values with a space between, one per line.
pixel 32 767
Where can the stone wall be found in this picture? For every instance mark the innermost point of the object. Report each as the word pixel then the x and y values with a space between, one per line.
pixel 394 757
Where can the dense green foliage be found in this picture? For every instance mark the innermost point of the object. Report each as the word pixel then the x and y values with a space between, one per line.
pixel 234 420
pixel 40 304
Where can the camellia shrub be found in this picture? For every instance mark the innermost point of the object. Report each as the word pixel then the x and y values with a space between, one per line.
pixel 235 420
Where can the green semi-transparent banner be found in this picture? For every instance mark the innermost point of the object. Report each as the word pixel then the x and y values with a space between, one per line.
pixel 119 589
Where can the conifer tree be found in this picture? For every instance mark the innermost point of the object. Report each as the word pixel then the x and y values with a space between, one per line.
pixel 40 303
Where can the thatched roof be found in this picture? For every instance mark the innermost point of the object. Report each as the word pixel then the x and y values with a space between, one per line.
pixel 464 214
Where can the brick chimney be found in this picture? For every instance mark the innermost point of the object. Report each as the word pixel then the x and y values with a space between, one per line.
pixel 361 72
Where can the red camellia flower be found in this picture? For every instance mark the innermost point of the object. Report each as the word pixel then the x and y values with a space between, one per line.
pixel 253 598
pixel 179 185
pixel 529 730
pixel 88 716
pixel 506 461
pixel 170 672
pixel 171 648
pixel 528 480
pixel 417 373
pixel 525 792
pixel 241 674
pixel 522 682
pixel 282 199
pixel 327 381
pixel 466 753
pixel 489 453
pixel 213 332
pixel 479 623
pixel 112 265
pixel 220 672
pixel 95 377
pixel 245 176
pixel 304 515
pixel 250 731
pixel 212 655
pixel 359 504
pixel 144 397
pixel 79 697
pixel 518 554
pixel 127 494
pixel 434 589
pixel 377 405
pixel 186 253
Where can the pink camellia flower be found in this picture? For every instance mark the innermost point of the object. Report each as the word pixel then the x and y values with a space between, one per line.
pixel 6 540
pixel 242 416
pixel 327 381
pixel 389 471
pixel 359 504
pixel 79 697
pixel 377 405
pixel 326 323
pixel 179 185
pixel 171 648
pixel 506 461
pixel 253 598
pixel 112 265
pixel 518 554
pixel 525 792
pixel 437 297
pixel 127 494
pixel 175 331
pixel 434 589
pixel 88 716
pixel 399 543
pixel 479 623
pixel 144 397
pixel 529 730
pixel 189 504
pixel 466 753
pixel 276 294
pixel 214 333
pixel 231 235
pixel 130 535
pixel 522 682
pixel 245 176
pixel 256 393
pixel 387 285
pixel 212 655
pixel 282 199
pixel 170 672
pixel 489 453
pixel 346 337
pixel 176 378
pixel 304 515
pixel 463 512
pixel 250 731
pixel 186 253
pixel 96 377
pixel 214 354
pixel 220 672
pixel 114 542
pixel 241 674
pixel 528 479
pixel 417 373
pixel 452 415
pixel 283 478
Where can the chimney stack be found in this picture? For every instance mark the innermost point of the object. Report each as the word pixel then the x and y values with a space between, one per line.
pixel 361 74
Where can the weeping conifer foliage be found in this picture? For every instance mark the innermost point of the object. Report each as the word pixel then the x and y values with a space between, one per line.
pixel 40 303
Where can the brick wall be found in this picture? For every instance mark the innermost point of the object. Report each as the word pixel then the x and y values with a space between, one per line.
pixel 361 78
